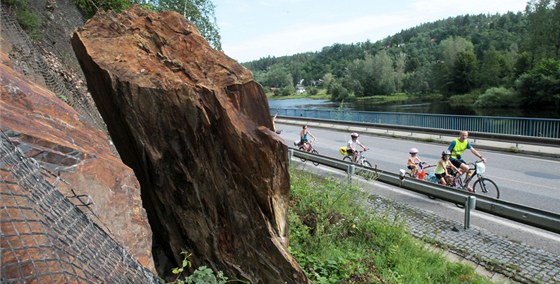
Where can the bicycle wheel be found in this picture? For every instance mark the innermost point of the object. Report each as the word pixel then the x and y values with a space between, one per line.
pixel 368 172
pixel 487 187
pixel 302 159
pixel 347 159
pixel 314 152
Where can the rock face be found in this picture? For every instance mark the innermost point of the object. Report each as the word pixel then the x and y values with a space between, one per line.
pixel 194 126
pixel 51 132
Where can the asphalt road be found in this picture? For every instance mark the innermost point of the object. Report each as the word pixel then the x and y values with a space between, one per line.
pixel 527 180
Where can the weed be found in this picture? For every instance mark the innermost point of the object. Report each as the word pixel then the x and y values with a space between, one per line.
pixel 514 149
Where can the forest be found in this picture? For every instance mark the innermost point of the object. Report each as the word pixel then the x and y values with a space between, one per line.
pixel 494 61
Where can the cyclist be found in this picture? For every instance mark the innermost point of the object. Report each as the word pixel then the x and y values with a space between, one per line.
pixel 443 164
pixel 351 148
pixel 304 140
pixel 457 147
pixel 413 161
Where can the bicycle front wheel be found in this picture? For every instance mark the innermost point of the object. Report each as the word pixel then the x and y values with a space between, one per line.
pixel 302 159
pixel 487 187
pixel 368 172
pixel 314 152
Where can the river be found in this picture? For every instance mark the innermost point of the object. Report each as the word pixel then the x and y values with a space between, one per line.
pixel 420 107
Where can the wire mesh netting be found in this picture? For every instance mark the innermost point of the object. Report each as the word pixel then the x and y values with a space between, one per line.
pixel 35 65
pixel 44 238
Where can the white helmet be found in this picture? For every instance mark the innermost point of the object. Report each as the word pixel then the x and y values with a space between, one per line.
pixel 354 134
pixel 413 151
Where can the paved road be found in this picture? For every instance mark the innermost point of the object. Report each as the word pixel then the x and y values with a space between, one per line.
pixel 528 180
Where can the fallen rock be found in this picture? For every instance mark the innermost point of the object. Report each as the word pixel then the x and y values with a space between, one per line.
pixel 195 127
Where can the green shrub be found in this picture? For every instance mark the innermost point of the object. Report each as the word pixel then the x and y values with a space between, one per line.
pixel 202 275
pixel 27 18
pixel 498 97
pixel 466 99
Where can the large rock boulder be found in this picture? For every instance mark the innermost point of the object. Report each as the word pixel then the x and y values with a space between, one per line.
pixel 194 126
pixel 78 158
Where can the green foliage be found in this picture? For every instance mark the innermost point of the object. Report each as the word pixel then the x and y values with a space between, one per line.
pixel 337 91
pixel 463 73
pixel 287 90
pixel 336 239
pixel 90 7
pixel 202 275
pixel 27 18
pixel 312 91
pixel 498 97
pixel 540 87
pixel 466 99
pixel 205 275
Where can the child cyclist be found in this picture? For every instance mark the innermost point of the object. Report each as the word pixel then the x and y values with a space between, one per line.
pixel 441 170
pixel 413 162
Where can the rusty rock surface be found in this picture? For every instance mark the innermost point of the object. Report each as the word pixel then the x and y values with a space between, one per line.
pixel 195 127
pixel 51 132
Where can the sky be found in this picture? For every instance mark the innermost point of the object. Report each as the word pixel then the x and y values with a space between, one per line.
pixel 251 30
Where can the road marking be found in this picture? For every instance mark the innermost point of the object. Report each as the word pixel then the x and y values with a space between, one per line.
pixel 522 182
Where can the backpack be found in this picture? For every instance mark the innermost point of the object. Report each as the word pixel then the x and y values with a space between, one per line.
pixel 343 151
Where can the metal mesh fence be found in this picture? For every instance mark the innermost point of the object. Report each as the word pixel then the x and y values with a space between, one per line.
pixel 44 238
pixel 33 63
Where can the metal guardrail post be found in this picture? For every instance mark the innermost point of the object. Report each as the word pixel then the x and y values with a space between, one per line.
pixel 290 155
pixel 350 171
pixel 470 203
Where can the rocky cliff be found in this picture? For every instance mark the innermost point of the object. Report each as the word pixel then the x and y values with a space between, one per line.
pixel 77 157
pixel 194 126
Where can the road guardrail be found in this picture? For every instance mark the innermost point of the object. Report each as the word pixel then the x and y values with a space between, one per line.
pixel 542 141
pixel 523 214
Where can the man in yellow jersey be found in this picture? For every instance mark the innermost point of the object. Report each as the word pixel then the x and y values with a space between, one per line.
pixel 457 147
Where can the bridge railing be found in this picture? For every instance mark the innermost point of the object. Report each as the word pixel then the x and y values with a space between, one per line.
pixel 549 221
pixel 519 126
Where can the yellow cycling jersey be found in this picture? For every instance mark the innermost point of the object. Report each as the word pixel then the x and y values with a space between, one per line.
pixel 459 148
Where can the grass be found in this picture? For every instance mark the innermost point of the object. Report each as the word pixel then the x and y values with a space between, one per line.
pixel 336 240
pixel 400 97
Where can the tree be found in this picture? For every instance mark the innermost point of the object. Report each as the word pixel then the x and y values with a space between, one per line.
pixel 493 69
pixel 446 71
pixel 540 87
pixel 278 76
pixel 383 74
pixel 543 29
pixel 463 74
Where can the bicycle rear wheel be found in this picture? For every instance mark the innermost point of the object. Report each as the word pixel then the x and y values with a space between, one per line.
pixel 487 187
pixel 314 152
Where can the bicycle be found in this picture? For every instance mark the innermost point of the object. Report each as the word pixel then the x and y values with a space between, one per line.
pixel 362 161
pixel 482 185
pixel 310 149
pixel 421 174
